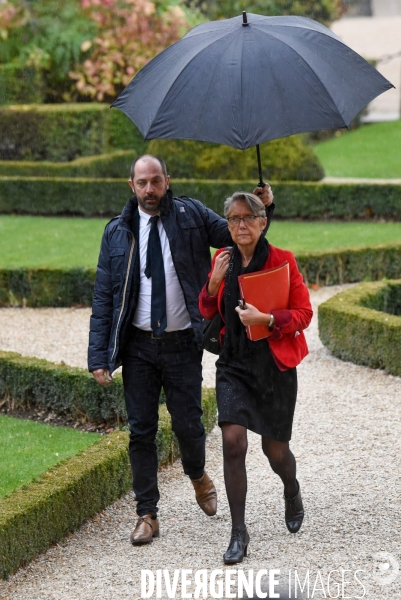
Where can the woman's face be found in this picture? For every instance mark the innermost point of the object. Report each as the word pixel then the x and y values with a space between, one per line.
pixel 245 233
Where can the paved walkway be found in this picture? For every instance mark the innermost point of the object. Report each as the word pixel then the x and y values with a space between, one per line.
pixel 377 38
pixel 347 443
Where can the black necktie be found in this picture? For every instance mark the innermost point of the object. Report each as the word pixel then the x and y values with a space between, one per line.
pixel 155 270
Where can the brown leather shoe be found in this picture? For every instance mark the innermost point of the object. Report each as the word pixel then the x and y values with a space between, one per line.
pixel 146 529
pixel 206 495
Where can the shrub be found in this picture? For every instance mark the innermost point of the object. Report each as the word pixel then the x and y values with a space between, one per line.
pixel 56 132
pixel 64 132
pixel 111 165
pixel 58 502
pixel 27 381
pixel 351 264
pixel 106 197
pixel 46 35
pixel 46 287
pixel 68 287
pixel 284 159
pixel 63 196
pixel 386 299
pixel 321 10
pixel 365 336
pixel 129 34
pixel 20 85
pixel 62 389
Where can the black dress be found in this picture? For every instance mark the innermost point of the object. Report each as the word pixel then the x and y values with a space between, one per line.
pixel 253 392
pixel 250 388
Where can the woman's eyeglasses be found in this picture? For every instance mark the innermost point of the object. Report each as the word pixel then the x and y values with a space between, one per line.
pixel 249 219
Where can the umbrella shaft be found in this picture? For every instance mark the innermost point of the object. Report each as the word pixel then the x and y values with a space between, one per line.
pixel 261 182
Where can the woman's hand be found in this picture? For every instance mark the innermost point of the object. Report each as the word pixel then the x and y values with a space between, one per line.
pixel 252 316
pixel 219 272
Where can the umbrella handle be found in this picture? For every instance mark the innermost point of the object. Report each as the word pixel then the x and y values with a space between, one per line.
pixel 261 182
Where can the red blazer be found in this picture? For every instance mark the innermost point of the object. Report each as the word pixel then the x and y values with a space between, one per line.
pixel 287 343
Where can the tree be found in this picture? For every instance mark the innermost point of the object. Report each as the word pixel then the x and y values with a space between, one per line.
pixel 46 35
pixel 324 11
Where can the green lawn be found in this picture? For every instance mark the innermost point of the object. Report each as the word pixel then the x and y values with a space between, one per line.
pixel 28 448
pixel 300 237
pixel 58 242
pixel 50 242
pixel 371 151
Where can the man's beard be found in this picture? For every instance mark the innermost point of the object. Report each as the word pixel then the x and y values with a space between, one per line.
pixel 150 202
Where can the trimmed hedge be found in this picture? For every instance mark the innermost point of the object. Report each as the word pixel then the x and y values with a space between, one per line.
pixel 46 287
pixel 387 299
pixel 58 502
pixel 30 381
pixel 365 336
pixel 351 265
pixel 290 158
pixel 57 287
pixel 63 132
pixel 106 197
pixel 20 85
pixel 27 381
pixel 62 499
pixel 112 165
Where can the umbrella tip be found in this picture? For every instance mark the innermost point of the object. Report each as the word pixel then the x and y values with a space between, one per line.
pixel 244 19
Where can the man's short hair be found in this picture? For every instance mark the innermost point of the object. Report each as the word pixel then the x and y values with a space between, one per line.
pixel 145 157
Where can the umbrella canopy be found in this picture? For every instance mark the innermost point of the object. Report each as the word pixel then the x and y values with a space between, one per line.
pixel 250 79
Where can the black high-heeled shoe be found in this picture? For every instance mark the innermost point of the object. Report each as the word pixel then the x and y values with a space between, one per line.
pixel 294 511
pixel 238 547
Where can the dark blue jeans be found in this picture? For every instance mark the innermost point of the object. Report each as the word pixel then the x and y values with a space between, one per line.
pixel 174 363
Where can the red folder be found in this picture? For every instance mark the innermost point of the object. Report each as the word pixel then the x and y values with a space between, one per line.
pixel 266 290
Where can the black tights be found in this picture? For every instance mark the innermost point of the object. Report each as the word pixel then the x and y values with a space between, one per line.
pixel 235 445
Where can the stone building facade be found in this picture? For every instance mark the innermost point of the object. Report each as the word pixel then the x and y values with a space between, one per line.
pixel 373 8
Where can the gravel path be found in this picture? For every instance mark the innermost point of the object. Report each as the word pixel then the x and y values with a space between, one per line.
pixel 347 443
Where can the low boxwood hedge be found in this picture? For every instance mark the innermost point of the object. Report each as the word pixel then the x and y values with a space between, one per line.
pixel 106 197
pixel 26 381
pixel 68 287
pixel 58 502
pixel 114 164
pixel 351 264
pixel 43 512
pixel 355 326
pixel 46 287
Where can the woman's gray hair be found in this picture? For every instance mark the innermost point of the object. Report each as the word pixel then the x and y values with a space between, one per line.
pixel 254 202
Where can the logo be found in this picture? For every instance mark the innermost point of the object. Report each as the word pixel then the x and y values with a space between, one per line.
pixel 385 568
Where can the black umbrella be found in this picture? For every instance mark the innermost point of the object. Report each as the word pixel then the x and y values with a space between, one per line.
pixel 250 79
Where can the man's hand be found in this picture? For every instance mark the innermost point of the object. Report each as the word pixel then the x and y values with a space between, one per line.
pixel 102 376
pixel 265 194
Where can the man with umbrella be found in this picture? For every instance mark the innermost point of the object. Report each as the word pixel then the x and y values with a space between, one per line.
pixel 155 256
pixel 153 262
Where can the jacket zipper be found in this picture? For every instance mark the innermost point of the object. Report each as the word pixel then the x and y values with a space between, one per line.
pixel 124 292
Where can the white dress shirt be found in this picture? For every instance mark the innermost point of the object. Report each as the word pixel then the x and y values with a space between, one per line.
pixel 177 314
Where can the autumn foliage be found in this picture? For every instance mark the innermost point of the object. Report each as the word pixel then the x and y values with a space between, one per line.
pixel 12 16
pixel 130 33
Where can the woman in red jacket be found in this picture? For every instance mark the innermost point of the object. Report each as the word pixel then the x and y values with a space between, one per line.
pixel 256 381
